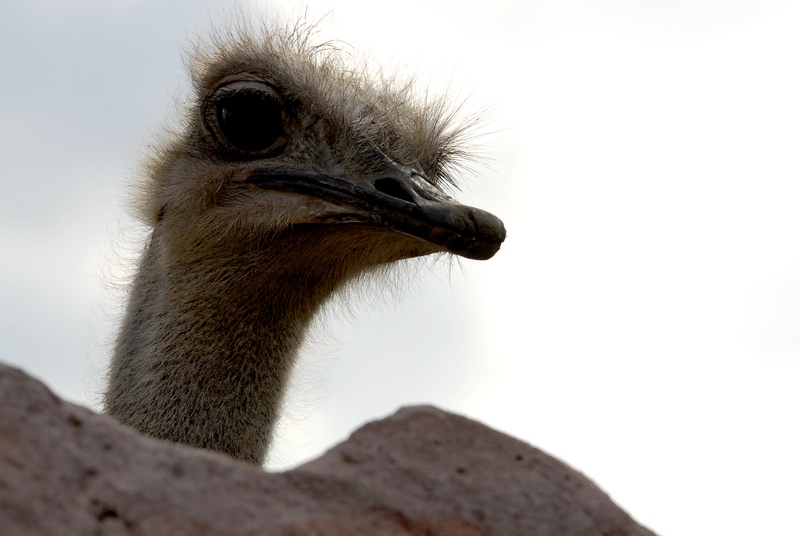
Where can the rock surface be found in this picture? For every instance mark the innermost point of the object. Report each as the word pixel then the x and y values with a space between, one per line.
pixel 65 470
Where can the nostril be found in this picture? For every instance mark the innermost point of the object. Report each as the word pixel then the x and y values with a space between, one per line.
pixel 394 188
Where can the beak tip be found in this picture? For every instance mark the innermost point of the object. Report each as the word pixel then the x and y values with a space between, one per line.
pixel 486 239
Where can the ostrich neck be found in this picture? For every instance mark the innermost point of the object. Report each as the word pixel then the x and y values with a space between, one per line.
pixel 208 342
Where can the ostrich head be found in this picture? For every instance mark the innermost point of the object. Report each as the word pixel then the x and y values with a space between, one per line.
pixel 292 175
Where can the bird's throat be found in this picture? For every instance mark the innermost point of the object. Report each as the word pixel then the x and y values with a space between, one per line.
pixel 213 325
pixel 206 347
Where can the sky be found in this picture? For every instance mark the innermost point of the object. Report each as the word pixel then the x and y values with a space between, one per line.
pixel 642 320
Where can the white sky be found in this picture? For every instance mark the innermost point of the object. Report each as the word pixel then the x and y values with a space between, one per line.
pixel 642 321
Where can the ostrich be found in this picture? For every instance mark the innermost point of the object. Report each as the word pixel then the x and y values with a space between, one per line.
pixel 293 174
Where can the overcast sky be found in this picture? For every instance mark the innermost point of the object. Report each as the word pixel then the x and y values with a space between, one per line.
pixel 642 321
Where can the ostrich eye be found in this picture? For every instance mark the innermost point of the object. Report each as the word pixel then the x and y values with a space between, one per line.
pixel 248 117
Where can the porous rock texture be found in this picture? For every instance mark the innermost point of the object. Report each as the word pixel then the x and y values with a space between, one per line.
pixel 65 470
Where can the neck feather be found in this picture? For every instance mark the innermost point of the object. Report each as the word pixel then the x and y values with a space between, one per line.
pixel 211 331
pixel 206 347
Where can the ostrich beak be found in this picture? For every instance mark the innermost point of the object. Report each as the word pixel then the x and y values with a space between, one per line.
pixel 402 199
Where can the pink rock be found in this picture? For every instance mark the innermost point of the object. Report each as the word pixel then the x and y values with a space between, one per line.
pixel 65 470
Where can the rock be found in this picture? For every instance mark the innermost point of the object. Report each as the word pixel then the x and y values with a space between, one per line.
pixel 65 470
